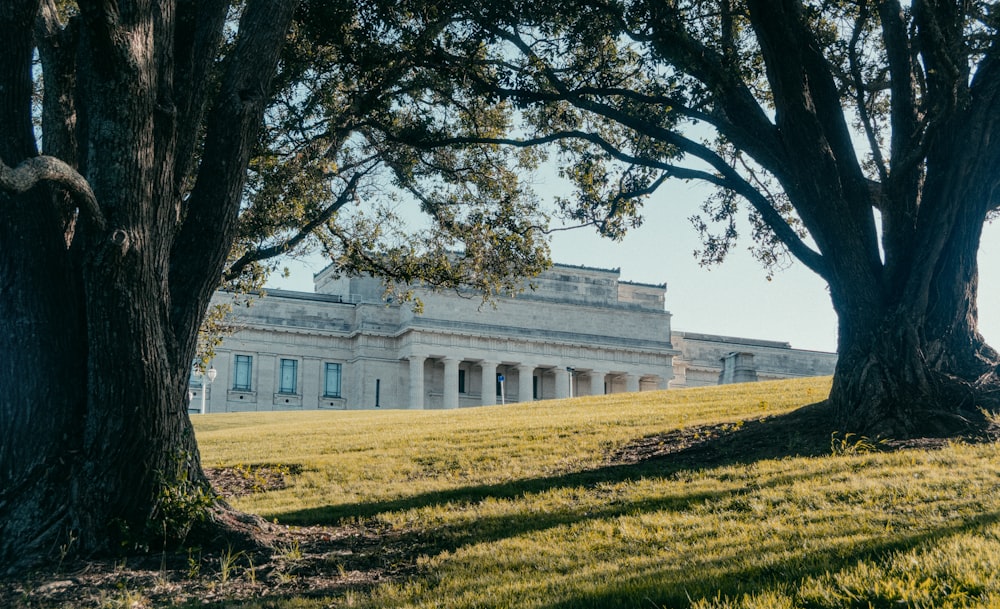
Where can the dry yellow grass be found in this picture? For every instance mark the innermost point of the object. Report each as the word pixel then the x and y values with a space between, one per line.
pixel 366 456
pixel 518 506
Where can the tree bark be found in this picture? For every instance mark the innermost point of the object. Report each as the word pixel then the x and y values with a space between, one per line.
pixel 97 453
pixel 911 359
pixel 41 377
pixel 885 385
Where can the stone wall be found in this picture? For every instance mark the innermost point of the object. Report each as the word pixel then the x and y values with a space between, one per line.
pixel 702 357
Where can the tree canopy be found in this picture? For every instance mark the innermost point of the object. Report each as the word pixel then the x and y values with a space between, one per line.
pixel 860 138
pixel 329 171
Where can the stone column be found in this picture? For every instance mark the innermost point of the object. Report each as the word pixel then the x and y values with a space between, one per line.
pixel 489 390
pixel 745 370
pixel 562 382
pixel 631 383
pixel 525 385
pixel 417 381
pixel 450 382
pixel 596 382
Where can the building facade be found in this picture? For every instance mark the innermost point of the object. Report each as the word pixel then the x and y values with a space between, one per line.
pixel 708 359
pixel 582 331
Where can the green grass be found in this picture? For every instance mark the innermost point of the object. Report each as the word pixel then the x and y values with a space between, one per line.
pixel 520 506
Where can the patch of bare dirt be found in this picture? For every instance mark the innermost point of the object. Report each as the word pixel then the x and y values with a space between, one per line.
pixel 305 561
pixel 247 479
pixel 313 561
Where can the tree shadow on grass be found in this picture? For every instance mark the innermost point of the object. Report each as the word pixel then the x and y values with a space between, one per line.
pixel 655 585
pixel 804 432
pixel 347 547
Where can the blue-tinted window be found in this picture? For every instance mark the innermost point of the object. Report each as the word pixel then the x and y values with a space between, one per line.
pixel 331 380
pixel 242 376
pixel 289 376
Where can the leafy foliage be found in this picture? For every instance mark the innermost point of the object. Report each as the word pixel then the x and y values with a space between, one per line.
pixel 336 171
pixel 858 138
pixel 631 93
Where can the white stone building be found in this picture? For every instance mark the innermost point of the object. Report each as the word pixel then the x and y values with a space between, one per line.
pixel 582 331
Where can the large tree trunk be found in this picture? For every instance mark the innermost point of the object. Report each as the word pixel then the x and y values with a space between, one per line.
pixel 98 453
pixel 96 447
pixel 42 380
pixel 912 361
pixel 99 308
pixel 887 386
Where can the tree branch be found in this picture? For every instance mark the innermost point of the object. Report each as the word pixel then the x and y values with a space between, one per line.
pixel 102 20
pixel 807 101
pixel 56 44
pixel 729 179
pixel 902 180
pixel 287 245
pixel 860 99
pixel 231 130
pixel 904 116
pixel 37 169
pixel 737 115
pixel 199 29
pixel 985 94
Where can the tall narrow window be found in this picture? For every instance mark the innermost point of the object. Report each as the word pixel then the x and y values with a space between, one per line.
pixel 242 376
pixel 331 381
pixel 461 381
pixel 289 375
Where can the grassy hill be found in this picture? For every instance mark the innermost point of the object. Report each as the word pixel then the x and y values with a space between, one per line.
pixel 656 500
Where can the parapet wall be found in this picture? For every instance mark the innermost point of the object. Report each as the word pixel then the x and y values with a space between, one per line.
pixel 562 284
pixel 703 356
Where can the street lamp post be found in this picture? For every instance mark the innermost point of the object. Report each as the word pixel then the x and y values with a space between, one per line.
pixel 210 375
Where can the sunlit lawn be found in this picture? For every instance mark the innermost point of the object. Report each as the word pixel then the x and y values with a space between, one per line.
pixel 519 506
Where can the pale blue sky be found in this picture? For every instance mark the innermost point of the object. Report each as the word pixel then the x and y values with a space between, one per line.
pixel 732 299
